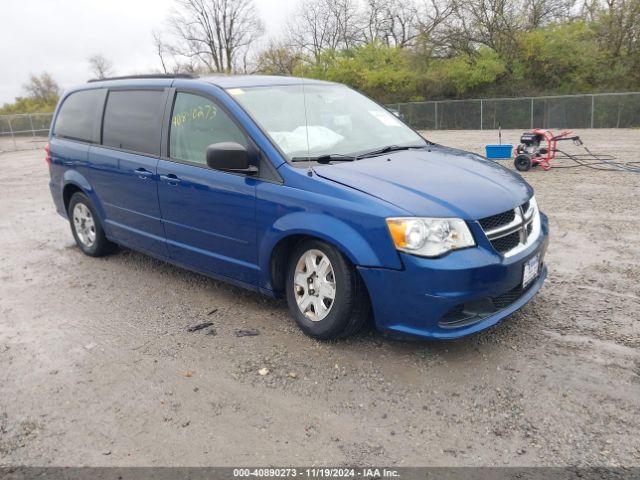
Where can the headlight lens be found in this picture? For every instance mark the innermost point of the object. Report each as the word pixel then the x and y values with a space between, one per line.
pixel 429 237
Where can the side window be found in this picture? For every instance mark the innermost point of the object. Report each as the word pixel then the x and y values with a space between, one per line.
pixel 196 123
pixel 133 120
pixel 79 116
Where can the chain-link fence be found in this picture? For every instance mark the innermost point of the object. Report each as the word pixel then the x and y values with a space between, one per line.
pixel 602 110
pixel 24 131
pixel 606 110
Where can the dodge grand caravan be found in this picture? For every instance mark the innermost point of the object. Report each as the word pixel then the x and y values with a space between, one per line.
pixel 298 188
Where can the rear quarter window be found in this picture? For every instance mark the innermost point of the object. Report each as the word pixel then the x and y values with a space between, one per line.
pixel 133 120
pixel 79 116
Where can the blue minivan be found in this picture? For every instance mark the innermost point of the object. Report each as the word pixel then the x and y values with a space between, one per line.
pixel 298 188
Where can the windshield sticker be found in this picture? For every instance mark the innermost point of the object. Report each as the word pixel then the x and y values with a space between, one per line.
pixel 235 91
pixel 201 112
pixel 342 121
pixel 385 118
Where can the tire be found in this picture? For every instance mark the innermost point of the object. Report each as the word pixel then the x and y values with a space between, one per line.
pixel 350 307
pixel 86 227
pixel 523 162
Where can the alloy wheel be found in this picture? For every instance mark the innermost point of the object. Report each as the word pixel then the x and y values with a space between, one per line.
pixel 84 224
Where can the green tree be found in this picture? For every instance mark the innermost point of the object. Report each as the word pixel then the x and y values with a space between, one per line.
pixel 42 96
pixel 558 59
pixel 469 75
pixel 382 72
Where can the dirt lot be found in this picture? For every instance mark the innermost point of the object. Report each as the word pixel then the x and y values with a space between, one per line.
pixel 19 143
pixel 97 366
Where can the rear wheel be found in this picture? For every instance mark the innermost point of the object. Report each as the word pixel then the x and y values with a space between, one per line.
pixel 86 227
pixel 325 294
pixel 523 162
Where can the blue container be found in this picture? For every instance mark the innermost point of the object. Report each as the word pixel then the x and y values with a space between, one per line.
pixel 499 151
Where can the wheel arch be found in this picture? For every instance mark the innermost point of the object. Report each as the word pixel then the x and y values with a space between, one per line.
pixel 279 259
pixel 73 181
pixel 68 191
pixel 276 247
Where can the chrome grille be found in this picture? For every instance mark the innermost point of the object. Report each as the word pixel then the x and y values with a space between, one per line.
pixel 495 221
pixel 509 231
pixel 506 243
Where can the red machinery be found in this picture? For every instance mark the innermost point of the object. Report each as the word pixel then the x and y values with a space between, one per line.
pixel 531 152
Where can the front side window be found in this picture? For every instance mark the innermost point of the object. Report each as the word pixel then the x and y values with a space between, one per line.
pixel 196 123
pixel 133 120
pixel 79 116
pixel 314 120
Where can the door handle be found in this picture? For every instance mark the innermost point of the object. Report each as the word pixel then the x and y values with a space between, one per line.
pixel 170 178
pixel 143 173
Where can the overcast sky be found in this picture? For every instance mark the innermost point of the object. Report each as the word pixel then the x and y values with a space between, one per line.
pixel 59 35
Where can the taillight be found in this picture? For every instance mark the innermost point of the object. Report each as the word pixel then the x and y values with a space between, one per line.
pixel 47 152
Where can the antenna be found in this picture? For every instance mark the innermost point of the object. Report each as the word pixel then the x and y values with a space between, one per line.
pixel 306 128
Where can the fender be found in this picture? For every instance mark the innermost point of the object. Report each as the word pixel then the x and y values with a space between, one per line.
pixel 73 177
pixel 330 229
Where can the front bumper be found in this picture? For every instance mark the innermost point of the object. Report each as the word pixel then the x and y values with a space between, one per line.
pixel 418 299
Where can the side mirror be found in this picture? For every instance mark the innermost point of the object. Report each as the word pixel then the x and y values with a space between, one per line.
pixel 230 157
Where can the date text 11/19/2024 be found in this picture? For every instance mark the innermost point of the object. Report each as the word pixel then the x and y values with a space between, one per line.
pixel 369 472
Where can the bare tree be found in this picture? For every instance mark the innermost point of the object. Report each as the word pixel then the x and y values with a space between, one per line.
pixel 403 23
pixel 42 87
pixel 497 23
pixel 100 66
pixel 171 62
pixel 619 26
pixel 433 16
pixel 492 23
pixel 539 13
pixel 217 34
pixel 319 25
pixel 161 50
pixel 392 22
pixel 400 22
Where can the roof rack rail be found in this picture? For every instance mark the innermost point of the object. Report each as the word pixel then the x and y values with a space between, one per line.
pixel 150 75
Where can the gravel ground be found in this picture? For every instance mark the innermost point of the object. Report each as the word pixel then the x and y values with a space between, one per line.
pixel 97 366
pixel 19 143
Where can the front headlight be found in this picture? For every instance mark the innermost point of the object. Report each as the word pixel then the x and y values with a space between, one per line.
pixel 429 237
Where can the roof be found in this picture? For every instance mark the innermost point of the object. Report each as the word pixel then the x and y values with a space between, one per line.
pixel 221 80
pixel 240 81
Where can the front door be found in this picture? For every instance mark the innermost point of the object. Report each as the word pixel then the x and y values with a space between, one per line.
pixel 208 215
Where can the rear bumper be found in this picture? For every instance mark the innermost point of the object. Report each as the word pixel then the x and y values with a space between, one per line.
pixel 420 298
pixel 58 201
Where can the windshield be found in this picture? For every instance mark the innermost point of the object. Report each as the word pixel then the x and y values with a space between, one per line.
pixel 318 120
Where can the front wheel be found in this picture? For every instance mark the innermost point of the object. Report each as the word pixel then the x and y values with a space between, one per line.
pixel 325 294
pixel 86 227
pixel 523 162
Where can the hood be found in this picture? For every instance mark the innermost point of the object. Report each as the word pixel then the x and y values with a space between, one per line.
pixel 437 182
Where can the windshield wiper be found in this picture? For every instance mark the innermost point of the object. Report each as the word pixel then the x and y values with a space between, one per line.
pixel 329 157
pixel 387 149
pixel 340 157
